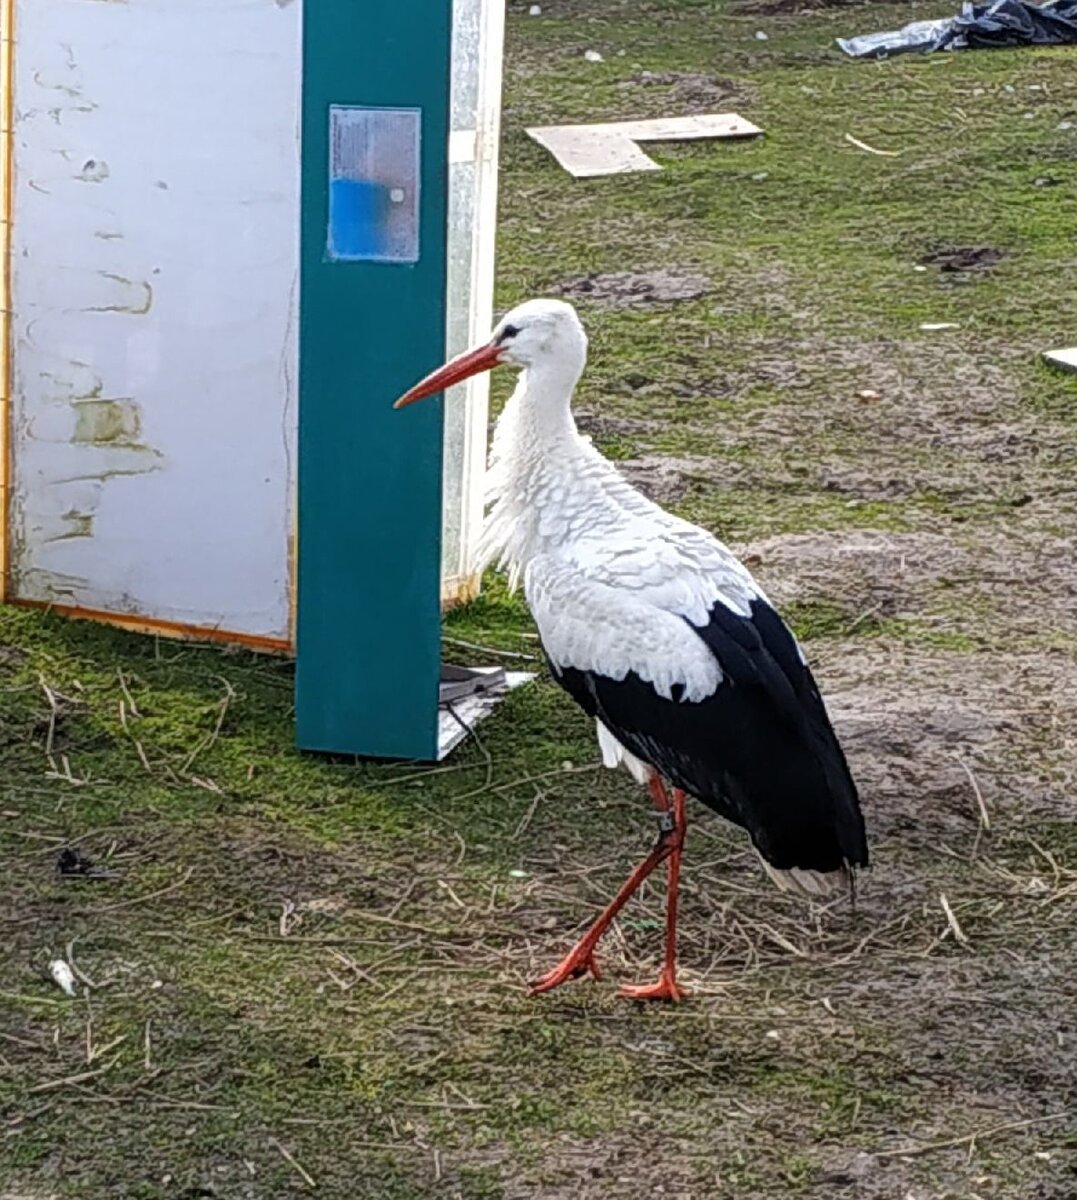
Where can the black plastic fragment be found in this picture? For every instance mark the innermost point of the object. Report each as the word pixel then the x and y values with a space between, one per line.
pixel 1004 23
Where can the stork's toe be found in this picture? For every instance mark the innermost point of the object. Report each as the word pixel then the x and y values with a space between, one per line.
pixel 667 988
pixel 575 964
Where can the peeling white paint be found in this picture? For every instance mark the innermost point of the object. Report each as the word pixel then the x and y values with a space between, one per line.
pixel 155 259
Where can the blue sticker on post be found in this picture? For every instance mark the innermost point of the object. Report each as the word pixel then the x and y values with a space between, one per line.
pixel 373 184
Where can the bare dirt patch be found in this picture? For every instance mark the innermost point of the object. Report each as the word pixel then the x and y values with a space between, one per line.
pixel 604 425
pixel 909 716
pixel 963 259
pixel 939 415
pixel 628 289
pixel 929 390
pixel 780 7
pixel 1027 577
pixel 887 571
pixel 688 91
pixel 757 284
pixel 664 478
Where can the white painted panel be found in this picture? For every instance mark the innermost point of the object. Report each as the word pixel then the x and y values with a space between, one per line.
pixel 155 265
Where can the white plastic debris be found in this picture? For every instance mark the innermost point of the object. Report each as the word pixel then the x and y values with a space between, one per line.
pixel 932 326
pixel 516 873
pixel 535 10
pixel 760 36
pixel 593 56
pixel 62 976
pixel 919 268
pixel 1065 359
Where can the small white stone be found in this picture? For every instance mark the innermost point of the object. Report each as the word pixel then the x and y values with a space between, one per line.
pixel 535 10
pixel 774 1035
pixel 516 873
pixel 592 56
pixel 760 36
pixel 919 268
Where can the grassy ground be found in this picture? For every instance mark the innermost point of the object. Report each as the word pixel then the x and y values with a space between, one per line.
pixel 307 972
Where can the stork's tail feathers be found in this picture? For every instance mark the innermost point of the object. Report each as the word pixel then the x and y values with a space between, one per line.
pixel 818 885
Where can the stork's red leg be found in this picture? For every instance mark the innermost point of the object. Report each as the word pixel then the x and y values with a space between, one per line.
pixel 667 987
pixel 581 958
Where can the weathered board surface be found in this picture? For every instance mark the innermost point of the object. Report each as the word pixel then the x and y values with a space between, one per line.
pixel 610 148
pixel 155 259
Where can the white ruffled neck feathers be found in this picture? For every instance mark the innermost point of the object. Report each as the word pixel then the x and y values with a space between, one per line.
pixel 546 483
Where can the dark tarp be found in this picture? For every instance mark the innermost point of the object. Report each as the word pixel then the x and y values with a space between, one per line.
pixel 980 26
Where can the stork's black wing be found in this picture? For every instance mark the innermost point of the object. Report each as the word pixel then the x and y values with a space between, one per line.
pixel 760 750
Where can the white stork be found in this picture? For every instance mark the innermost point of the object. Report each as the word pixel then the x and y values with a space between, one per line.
pixel 661 635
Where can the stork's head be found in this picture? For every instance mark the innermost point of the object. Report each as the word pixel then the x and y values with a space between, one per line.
pixel 541 335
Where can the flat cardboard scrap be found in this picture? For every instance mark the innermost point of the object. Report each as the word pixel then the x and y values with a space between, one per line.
pixel 610 149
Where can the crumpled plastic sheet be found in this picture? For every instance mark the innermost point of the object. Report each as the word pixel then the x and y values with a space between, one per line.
pixel 979 26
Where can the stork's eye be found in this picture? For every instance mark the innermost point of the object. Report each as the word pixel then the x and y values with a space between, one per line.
pixel 510 331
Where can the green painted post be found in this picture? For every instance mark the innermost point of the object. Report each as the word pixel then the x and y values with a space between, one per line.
pixel 369 554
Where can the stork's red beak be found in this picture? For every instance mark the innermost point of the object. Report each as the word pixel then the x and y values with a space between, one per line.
pixel 463 366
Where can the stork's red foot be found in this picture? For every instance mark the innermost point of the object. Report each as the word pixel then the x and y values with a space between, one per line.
pixel 579 961
pixel 667 988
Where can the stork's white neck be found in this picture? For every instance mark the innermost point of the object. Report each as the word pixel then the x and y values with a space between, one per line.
pixel 544 393
pixel 546 483
pixel 542 404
